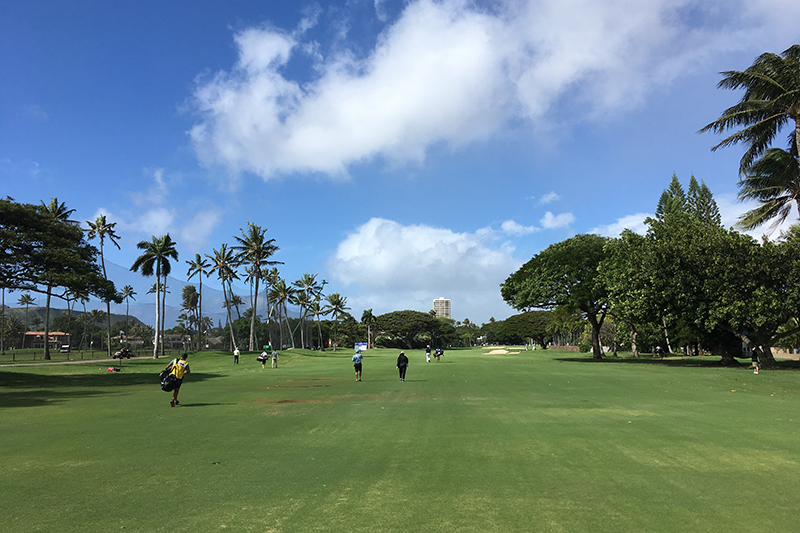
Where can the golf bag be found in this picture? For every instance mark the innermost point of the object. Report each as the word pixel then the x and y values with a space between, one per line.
pixel 168 381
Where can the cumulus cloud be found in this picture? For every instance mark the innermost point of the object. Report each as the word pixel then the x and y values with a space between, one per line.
pixel 451 72
pixel 549 198
pixel 634 223
pixel 406 267
pixel 551 221
pixel 511 227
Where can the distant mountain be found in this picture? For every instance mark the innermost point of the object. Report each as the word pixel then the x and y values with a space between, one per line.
pixel 55 312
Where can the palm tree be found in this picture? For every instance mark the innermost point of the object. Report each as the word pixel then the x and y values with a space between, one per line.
pixel 255 251
pixel 337 304
pixel 771 100
pixel 190 299
pixel 302 300
pixel 224 264
pixel 774 182
pixel 26 300
pixel 315 308
pixel 96 316
pixel 155 259
pixel 309 286
pixel 368 318
pixel 198 267
pixel 280 294
pixel 58 210
pixel 127 293
pixel 101 229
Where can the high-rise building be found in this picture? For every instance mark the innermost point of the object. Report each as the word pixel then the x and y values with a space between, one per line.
pixel 442 307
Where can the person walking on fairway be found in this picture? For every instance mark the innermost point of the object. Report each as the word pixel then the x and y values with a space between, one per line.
pixel 178 368
pixel 235 356
pixel 274 359
pixel 357 364
pixel 263 358
pixel 402 364
pixel 428 354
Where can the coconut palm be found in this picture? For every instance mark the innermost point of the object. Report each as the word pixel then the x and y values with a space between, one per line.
pixel 58 210
pixel 255 250
pixel 316 309
pixel 337 304
pixel 368 318
pixel 155 260
pixel 302 300
pixel 770 103
pixel 101 229
pixel 199 267
pixel 126 294
pixel 224 264
pixel 310 287
pixel 26 300
pixel 96 316
pixel 280 294
pixel 774 182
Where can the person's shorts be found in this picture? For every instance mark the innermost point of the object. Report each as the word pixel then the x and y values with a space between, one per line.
pixel 357 366
pixel 178 384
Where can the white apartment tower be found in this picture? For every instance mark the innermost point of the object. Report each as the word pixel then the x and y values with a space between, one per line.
pixel 442 307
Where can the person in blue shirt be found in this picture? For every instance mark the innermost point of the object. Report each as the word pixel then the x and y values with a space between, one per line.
pixel 357 364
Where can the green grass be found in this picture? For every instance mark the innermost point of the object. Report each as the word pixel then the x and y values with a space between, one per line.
pixel 539 441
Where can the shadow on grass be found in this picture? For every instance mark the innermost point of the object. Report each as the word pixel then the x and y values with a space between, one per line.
pixel 17 386
pixel 696 362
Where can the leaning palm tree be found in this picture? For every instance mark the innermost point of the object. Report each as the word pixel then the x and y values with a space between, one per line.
pixel 770 103
pixel 255 250
pixel 199 267
pixel 224 264
pixel 280 294
pixel 126 294
pixel 368 319
pixel 337 304
pixel 302 300
pixel 774 182
pixel 155 260
pixel 315 308
pixel 310 287
pixel 101 229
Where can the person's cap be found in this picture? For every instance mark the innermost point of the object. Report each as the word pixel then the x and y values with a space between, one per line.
pixel 402 352
pixel 184 356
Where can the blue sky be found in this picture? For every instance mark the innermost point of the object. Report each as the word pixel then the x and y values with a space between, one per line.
pixel 402 151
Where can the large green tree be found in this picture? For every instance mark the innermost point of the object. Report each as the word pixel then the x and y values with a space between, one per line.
pixel 41 251
pixel 564 274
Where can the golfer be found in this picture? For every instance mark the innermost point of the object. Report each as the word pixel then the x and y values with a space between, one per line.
pixel 236 356
pixel 402 364
pixel 274 359
pixel 178 367
pixel 357 364
pixel 428 354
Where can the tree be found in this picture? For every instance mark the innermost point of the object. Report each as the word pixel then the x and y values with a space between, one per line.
pixel 155 260
pixel 672 200
pixel 199 267
pixel 307 285
pixel 400 329
pixel 337 304
pixel 774 182
pixel 368 319
pixel 40 251
pixel 96 316
pixel 771 102
pixel 280 294
pixel 101 229
pixel 224 264
pixel 564 274
pixel 127 293
pixel 700 203
pixel 27 300
pixel 58 210
pixel 254 250
pixel 190 299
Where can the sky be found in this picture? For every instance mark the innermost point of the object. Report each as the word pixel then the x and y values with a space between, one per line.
pixel 400 150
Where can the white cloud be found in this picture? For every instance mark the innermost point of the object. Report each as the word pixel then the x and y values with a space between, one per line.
pixel 156 221
pixel 513 228
pixel 634 223
pixel 156 194
pixel 406 267
pixel 450 72
pixel 551 221
pixel 549 198
pixel 195 235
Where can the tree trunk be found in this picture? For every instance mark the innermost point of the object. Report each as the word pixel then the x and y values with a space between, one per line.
pixel 634 346
pixel 597 350
pixel 666 334
pixel 47 324
pixel 158 309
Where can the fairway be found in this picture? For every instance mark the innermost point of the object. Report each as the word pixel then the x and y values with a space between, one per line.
pixel 535 441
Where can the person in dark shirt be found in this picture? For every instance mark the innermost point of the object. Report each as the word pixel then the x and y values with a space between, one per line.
pixel 402 365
